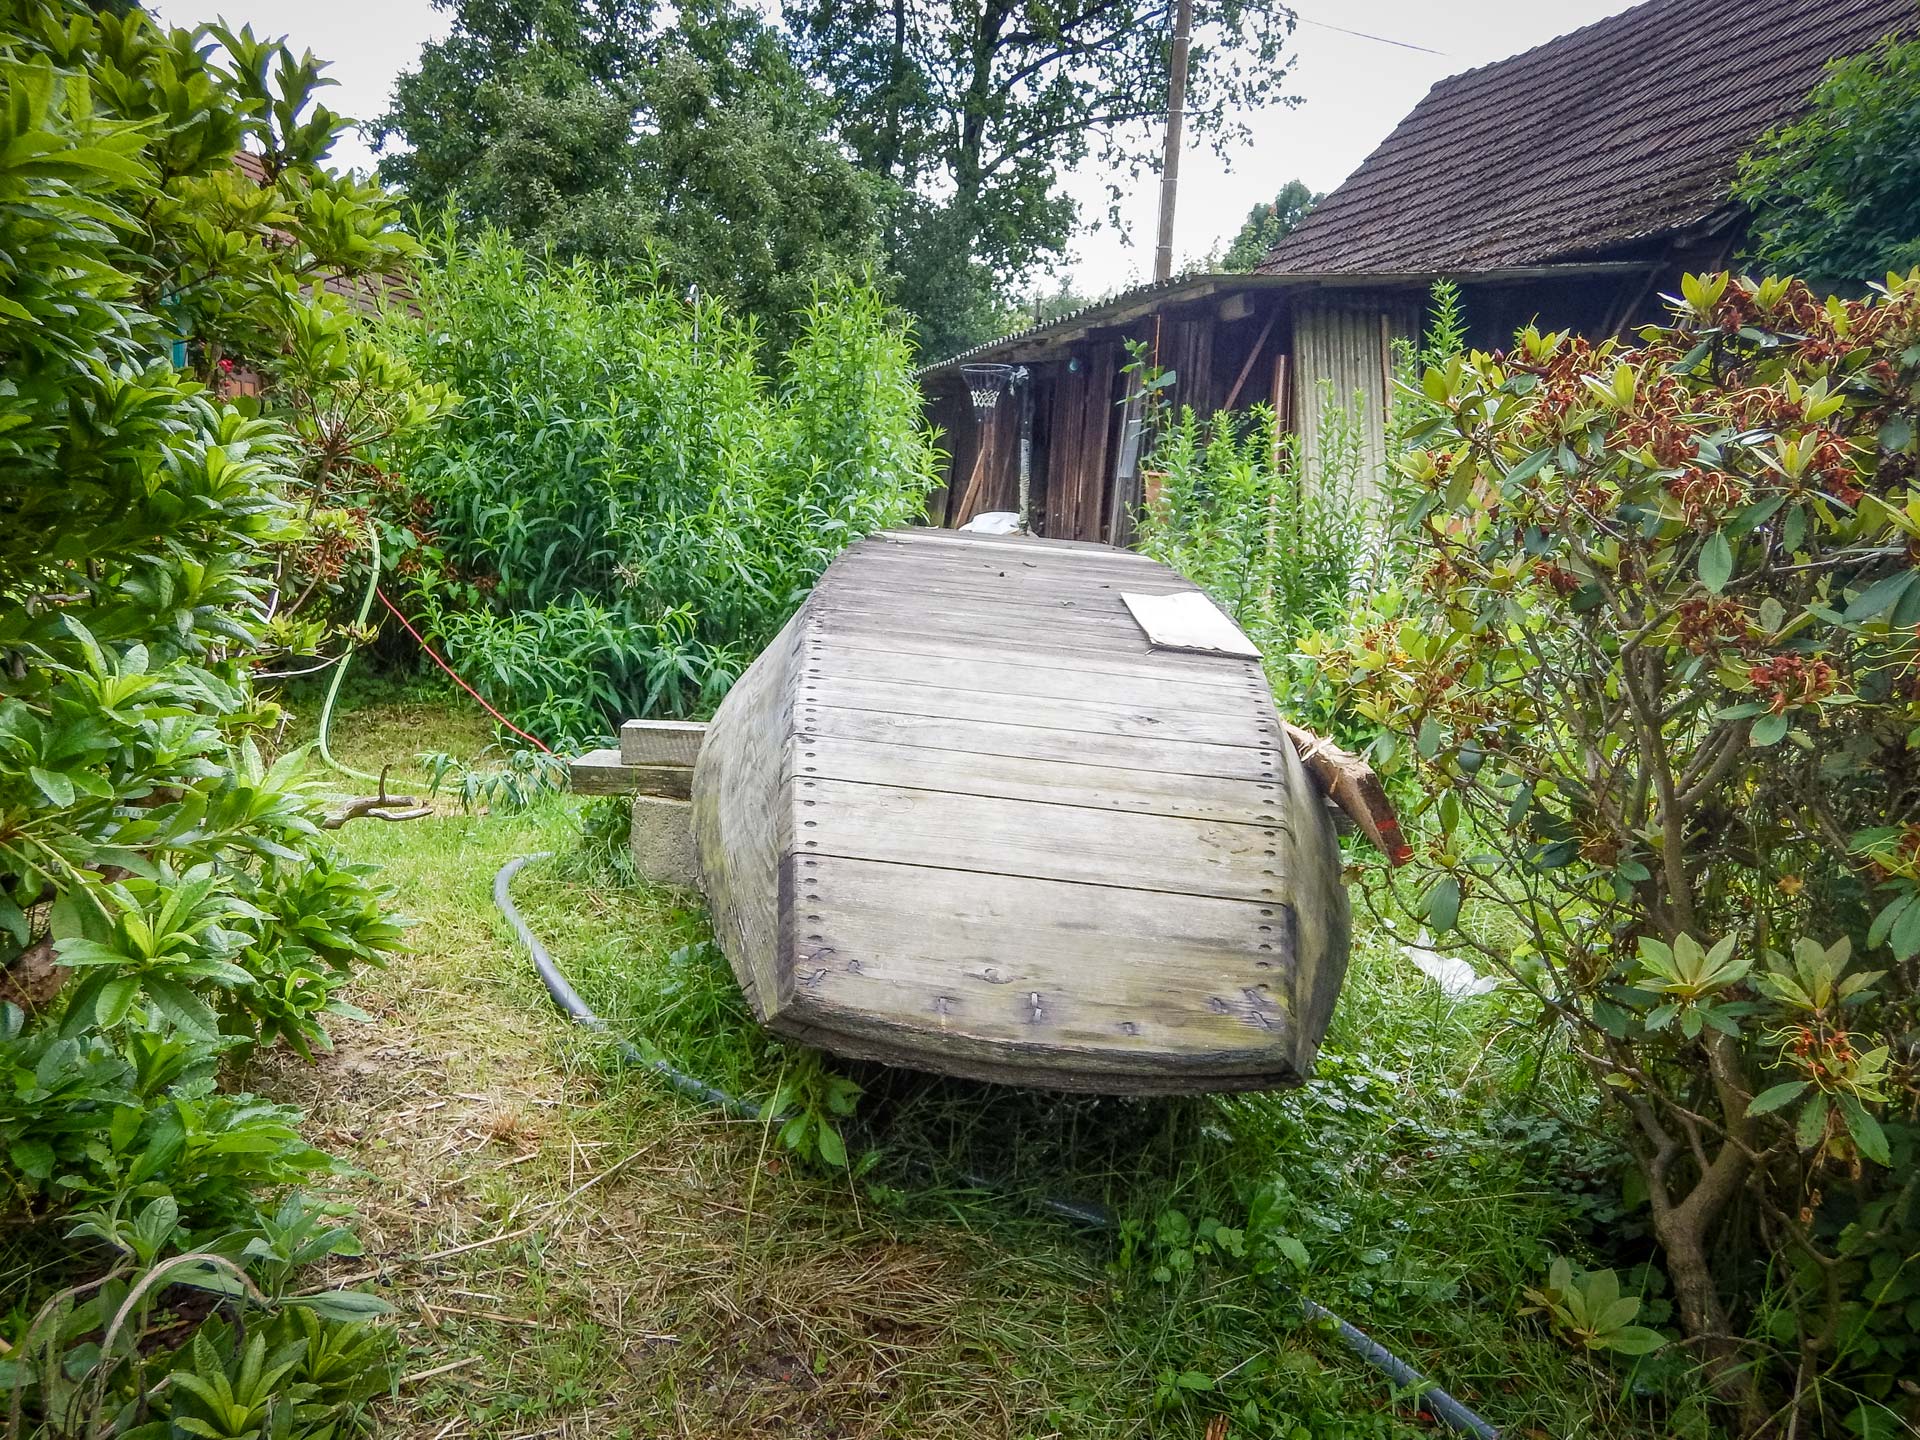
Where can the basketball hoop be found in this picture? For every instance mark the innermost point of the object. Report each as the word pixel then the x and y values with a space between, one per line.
pixel 984 384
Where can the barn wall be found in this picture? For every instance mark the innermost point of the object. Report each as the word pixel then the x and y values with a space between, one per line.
pixel 985 474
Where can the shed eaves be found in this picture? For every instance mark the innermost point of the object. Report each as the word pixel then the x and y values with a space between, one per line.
pixel 1624 130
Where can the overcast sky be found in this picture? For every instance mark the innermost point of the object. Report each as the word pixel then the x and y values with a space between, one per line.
pixel 1352 91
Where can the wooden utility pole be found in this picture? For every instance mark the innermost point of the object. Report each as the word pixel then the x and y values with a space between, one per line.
pixel 1170 162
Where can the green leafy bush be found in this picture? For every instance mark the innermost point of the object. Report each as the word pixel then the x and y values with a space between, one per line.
pixel 1235 511
pixel 636 505
pixel 166 901
pixel 1657 679
pixel 1836 194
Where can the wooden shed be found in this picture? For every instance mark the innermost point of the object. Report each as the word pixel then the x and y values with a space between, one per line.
pixel 1229 342
pixel 1570 185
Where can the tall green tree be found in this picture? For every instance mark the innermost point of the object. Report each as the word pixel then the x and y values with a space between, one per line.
pixel 585 127
pixel 1836 195
pixel 975 111
pixel 1268 224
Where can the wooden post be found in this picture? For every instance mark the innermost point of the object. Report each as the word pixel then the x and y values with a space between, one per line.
pixel 1170 160
pixel 1351 784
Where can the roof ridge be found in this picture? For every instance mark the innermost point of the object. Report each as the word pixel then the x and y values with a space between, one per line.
pixel 1604 21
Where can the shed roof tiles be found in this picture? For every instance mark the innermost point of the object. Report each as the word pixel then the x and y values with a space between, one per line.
pixel 1616 133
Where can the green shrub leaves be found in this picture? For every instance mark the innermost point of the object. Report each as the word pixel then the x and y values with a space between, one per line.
pixel 165 899
pixel 632 504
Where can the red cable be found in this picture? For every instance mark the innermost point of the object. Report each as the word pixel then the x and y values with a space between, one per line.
pixel 435 656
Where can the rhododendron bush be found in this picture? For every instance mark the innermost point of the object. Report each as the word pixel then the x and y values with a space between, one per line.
pixel 1657 678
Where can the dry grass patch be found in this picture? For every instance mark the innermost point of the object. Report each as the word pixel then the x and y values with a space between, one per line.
pixel 574 1250
pixel 577 1251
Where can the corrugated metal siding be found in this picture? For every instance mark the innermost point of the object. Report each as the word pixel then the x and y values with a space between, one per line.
pixel 1343 383
pixel 1342 354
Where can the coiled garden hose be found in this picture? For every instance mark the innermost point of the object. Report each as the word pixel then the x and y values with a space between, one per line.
pixel 1431 1398
pixel 340 670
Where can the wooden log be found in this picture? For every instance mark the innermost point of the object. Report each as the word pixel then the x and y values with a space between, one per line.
pixel 603 772
pixel 661 742
pixel 1351 784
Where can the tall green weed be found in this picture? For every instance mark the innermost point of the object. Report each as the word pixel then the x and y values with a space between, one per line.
pixel 1285 543
pixel 633 495
pixel 1280 544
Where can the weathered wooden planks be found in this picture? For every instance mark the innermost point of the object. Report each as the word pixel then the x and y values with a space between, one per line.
pixel 1054 782
pixel 962 815
pixel 604 772
pixel 966 668
pixel 661 742
pixel 1115 716
pixel 1029 972
pixel 1062 747
pixel 993 835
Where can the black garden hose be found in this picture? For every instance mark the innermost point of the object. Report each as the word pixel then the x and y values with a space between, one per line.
pixel 1435 1401
pixel 568 999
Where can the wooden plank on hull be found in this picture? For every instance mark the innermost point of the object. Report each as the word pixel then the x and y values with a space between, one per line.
pixel 1048 606
pixel 990 625
pixel 1064 747
pixel 1015 777
pixel 1007 635
pixel 990 675
pixel 907 576
pixel 1180 982
pixel 941 649
pixel 1122 850
pixel 1083 717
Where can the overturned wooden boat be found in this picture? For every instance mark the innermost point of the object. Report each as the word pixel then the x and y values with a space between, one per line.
pixel 965 816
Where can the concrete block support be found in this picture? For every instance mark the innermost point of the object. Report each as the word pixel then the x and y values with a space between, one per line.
pixel 662 841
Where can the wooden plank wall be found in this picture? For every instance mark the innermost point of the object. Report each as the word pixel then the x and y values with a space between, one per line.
pixel 991 478
pixel 1186 348
pixel 1080 422
pixel 950 413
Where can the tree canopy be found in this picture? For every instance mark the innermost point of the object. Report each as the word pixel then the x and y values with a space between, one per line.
pixel 698 147
pixel 975 110
pixel 927 143
pixel 1268 224
pixel 1836 195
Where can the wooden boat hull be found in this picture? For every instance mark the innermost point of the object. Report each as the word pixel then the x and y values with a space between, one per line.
pixel 962 816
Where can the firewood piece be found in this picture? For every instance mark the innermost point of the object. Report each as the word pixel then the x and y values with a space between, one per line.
pixel 1350 782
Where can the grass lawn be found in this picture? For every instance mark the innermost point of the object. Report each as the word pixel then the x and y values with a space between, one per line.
pixel 575 1250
